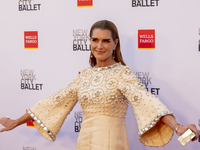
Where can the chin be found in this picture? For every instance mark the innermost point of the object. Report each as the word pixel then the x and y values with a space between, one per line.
pixel 100 58
pixel 103 59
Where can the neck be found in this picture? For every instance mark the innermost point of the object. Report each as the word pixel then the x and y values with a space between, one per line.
pixel 105 63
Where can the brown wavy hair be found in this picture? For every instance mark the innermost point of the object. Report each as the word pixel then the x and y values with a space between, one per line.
pixel 108 25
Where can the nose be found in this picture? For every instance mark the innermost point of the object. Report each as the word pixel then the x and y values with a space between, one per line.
pixel 100 45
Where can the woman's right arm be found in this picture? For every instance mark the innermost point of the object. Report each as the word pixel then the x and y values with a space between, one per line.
pixel 10 124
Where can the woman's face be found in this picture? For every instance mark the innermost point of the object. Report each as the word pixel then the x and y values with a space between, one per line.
pixel 102 45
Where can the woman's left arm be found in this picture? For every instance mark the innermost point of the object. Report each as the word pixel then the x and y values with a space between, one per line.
pixel 179 129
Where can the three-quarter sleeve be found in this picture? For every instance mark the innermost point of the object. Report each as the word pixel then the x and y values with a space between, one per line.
pixel 49 113
pixel 148 110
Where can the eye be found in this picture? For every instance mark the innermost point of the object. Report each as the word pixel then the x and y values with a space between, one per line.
pixel 106 41
pixel 94 39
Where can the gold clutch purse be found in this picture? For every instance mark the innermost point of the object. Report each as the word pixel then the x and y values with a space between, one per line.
pixel 186 137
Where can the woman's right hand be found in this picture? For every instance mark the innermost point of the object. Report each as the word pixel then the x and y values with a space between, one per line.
pixel 8 124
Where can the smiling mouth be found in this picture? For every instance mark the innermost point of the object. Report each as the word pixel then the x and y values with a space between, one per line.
pixel 100 52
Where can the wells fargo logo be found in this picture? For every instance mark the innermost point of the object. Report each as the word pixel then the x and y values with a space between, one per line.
pixel 31 39
pixel 146 39
pixel 85 3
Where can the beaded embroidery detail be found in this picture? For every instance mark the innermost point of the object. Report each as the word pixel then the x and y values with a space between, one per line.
pixel 107 67
pixel 42 125
pixel 153 123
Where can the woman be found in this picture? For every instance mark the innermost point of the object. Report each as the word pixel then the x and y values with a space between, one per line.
pixel 104 92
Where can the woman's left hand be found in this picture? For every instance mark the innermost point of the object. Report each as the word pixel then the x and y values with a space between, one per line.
pixel 182 129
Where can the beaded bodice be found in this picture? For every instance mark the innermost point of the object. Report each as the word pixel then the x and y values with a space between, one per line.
pixel 100 91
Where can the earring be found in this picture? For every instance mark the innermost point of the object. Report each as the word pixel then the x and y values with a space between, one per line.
pixel 113 53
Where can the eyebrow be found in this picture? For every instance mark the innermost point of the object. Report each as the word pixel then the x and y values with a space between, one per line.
pixel 97 38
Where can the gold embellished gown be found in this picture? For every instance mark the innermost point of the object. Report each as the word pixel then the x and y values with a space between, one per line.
pixel 104 94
